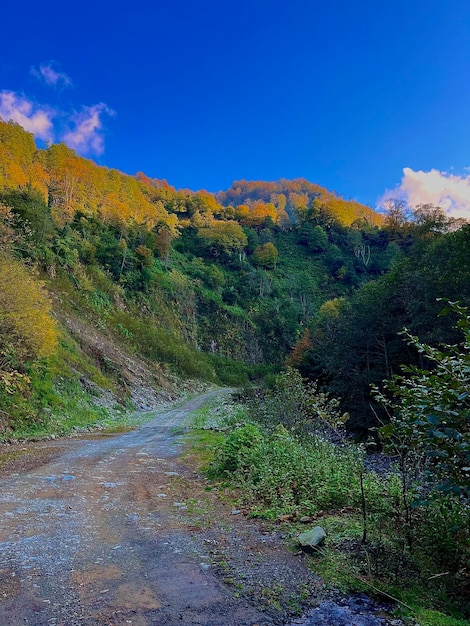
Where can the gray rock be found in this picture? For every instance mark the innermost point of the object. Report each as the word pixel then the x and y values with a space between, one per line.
pixel 312 538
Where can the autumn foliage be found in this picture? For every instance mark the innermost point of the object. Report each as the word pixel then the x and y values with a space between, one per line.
pixel 25 314
pixel 70 183
pixel 288 201
pixel 303 345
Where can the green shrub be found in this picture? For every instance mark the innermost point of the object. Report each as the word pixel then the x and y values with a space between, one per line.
pixel 297 404
pixel 164 347
pixel 281 473
pixel 430 413
pixel 239 453
pixel 229 372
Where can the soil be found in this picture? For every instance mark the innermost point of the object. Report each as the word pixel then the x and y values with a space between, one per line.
pixel 142 382
pixel 118 529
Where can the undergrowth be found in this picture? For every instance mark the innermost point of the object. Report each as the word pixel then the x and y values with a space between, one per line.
pixel 281 475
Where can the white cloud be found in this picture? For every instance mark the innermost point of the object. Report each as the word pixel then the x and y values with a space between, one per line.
pixel 51 76
pixel 32 117
pixel 86 136
pixel 85 127
pixel 449 191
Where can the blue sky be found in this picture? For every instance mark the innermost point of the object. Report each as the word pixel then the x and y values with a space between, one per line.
pixel 346 94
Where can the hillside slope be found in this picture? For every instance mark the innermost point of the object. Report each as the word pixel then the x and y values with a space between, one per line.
pixel 191 285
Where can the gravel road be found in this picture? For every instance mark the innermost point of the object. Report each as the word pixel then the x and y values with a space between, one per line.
pixel 115 529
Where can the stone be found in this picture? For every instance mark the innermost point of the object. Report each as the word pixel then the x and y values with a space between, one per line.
pixel 312 538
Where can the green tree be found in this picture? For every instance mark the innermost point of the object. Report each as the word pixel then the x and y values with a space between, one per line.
pixel 430 411
pixel 266 255
pixel 31 209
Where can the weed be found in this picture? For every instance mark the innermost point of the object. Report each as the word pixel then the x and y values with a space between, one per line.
pixel 276 472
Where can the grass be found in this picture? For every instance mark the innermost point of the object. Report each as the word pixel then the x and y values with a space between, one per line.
pixel 72 409
pixel 273 473
pixel 435 618
pixel 344 562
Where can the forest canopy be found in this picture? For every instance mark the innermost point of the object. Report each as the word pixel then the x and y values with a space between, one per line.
pixel 262 274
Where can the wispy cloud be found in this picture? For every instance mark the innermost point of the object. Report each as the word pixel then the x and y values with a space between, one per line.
pixel 82 130
pixel 34 118
pixel 449 191
pixel 86 135
pixel 52 76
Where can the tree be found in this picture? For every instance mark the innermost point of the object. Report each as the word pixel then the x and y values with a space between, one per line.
pixel 297 355
pixel 17 149
pixel 314 237
pixel 430 410
pixel 27 329
pixel 225 237
pixel 29 206
pixel 259 213
pixel 266 255
pixel 162 242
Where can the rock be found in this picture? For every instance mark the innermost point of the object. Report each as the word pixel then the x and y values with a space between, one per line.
pixel 312 538
pixel 306 519
pixel 236 512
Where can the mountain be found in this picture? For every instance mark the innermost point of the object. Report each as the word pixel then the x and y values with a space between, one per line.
pixel 119 281
pixel 293 199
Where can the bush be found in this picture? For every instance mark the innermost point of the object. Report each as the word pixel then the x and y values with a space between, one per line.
pixel 298 405
pixel 281 473
pixel 232 373
pixel 430 414
pixel 164 347
pixel 239 453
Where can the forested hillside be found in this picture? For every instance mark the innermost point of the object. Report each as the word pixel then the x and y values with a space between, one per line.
pixel 118 292
pixel 220 287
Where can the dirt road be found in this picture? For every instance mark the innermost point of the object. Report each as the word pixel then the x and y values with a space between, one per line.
pixel 95 537
pixel 114 530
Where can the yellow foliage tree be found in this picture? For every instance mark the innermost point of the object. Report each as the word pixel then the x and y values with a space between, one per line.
pixel 26 325
pixel 241 212
pixel 17 148
pixel 226 236
pixel 260 211
pixel 266 255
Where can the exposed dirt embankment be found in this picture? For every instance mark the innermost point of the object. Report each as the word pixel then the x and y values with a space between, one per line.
pixel 144 384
